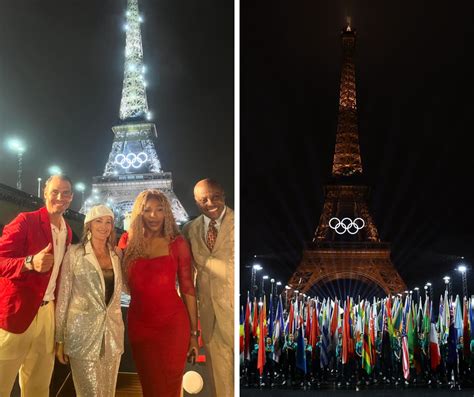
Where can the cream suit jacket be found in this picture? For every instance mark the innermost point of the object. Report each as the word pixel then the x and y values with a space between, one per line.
pixel 88 327
pixel 215 277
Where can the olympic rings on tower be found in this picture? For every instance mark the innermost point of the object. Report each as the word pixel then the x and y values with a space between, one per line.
pixel 346 225
pixel 131 160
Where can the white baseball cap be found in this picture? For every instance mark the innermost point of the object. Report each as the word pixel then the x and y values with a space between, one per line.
pixel 98 211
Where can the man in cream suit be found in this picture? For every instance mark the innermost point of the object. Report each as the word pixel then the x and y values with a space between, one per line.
pixel 211 236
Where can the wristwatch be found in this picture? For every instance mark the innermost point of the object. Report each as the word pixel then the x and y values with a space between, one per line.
pixel 196 333
pixel 29 262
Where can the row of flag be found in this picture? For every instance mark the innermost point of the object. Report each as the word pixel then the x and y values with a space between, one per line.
pixel 331 322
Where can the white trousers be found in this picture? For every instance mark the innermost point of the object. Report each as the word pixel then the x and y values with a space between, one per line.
pixel 31 354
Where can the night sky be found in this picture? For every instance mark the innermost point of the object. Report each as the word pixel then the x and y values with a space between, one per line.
pixel 415 98
pixel 61 70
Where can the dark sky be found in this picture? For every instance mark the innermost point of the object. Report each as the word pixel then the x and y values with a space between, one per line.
pixel 415 97
pixel 61 69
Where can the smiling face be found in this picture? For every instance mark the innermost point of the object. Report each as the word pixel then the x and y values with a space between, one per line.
pixel 57 195
pixel 153 216
pixel 101 227
pixel 210 199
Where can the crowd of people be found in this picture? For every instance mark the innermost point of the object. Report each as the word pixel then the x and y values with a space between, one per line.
pixel 397 341
pixel 62 299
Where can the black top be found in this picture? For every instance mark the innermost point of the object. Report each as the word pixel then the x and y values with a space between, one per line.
pixel 109 284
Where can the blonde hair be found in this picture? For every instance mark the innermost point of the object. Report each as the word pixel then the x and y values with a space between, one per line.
pixel 111 240
pixel 136 233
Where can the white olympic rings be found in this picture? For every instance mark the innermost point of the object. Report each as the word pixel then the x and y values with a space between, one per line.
pixel 131 160
pixel 346 225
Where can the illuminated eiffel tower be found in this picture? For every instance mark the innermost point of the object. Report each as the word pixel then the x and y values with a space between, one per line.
pixel 133 163
pixel 346 244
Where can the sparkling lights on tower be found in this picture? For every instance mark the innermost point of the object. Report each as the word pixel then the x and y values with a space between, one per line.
pixel 15 145
pixel 134 103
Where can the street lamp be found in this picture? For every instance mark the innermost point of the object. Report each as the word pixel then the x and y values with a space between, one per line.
pixel 253 278
pixel 417 293
pixel 39 187
pixel 55 170
pixel 17 146
pixel 278 283
pixel 263 284
pixel 80 187
pixel 447 283
pixel 430 290
pixel 463 270
pixel 287 288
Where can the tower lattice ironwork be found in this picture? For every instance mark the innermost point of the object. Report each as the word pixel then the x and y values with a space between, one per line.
pixel 133 163
pixel 346 244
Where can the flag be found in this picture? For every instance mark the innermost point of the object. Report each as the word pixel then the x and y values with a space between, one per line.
pixel 434 347
pixel 471 317
pixel 307 330
pixel 247 329
pixel 367 352
pixel 270 322
pixel 347 342
pixel 255 318
pixel 334 325
pixel 390 328
pixel 315 332
pixel 241 332
pixel 278 326
pixel 465 332
pixel 405 352
pixel 458 323
pixel 324 358
pixel 291 320
pixel 301 348
pixel 261 337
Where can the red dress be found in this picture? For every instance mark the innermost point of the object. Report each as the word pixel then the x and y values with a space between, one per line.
pixel 158 321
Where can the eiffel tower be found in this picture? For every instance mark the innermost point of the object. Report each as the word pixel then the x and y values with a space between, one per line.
pixel 133 163
pixel 346 244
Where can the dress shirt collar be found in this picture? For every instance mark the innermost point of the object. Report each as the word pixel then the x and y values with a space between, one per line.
pixel 218 220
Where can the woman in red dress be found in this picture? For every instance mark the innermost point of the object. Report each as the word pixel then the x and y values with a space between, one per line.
pixel 162 326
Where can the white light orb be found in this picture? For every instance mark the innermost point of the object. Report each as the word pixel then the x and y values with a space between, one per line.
pixel 16 145
pixel 54 170
pixel 192 382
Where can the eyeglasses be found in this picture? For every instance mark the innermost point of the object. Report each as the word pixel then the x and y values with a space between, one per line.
pixel 65 194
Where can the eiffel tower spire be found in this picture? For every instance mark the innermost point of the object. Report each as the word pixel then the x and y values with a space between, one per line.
pixel 347 159
pixel 133 104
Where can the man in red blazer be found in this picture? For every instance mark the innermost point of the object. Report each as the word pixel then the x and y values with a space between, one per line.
pixel 31 251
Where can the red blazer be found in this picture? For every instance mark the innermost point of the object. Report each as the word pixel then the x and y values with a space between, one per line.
pixel 21 293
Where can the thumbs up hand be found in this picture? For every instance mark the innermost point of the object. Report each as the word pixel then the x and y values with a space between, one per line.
pixel 43 260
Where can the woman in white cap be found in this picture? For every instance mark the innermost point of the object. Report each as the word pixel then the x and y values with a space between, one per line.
pixel 89 325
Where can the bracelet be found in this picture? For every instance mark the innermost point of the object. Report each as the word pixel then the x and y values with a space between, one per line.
pixel 195 333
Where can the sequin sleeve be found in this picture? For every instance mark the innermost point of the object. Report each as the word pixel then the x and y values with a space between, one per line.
pixel 64 293
pixel 185 274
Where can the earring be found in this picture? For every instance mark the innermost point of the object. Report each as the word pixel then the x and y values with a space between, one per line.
pixel 89 235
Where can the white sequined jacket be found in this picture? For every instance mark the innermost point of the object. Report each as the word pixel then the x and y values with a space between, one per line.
pixel 87 326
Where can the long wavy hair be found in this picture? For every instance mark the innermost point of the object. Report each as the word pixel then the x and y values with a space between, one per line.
pixel 136 234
